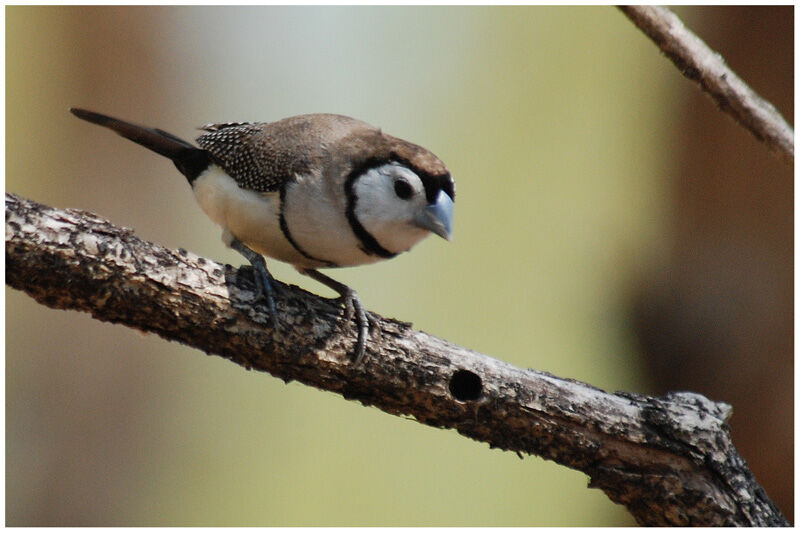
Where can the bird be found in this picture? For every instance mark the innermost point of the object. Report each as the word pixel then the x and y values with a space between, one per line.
pixel 314 191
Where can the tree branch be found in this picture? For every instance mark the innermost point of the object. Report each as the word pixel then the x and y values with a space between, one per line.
pixel 669 460
pixel 707 68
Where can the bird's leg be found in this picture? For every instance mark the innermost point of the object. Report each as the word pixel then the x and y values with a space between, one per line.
pixel 261 276
pixel 352 305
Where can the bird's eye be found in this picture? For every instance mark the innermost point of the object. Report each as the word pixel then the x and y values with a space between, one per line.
pixel 403 189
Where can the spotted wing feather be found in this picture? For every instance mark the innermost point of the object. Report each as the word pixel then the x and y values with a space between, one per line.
pixel 251 156
pixel 263 156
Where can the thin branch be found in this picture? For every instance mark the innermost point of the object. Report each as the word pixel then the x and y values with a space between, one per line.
pixel 707 68
pixel 669 460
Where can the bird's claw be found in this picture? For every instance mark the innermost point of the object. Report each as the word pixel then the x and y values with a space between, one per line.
pixel 354 309
pixel 266 290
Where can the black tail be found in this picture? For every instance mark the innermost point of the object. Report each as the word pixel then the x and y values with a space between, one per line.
pixel 189 159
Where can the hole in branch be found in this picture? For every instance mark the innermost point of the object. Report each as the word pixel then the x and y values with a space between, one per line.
pixel 465 386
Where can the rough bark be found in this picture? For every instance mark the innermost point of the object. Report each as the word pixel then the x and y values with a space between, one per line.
pixel 669 460
pixel 707 68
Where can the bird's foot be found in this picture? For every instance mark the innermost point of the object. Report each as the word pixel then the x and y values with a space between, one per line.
pixel 265 286
pixel 266 289
pixel 354 309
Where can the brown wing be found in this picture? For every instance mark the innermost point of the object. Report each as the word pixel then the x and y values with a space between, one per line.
pixel 250 157
pixel 263 156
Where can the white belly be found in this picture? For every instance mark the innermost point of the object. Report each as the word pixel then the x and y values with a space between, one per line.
pixel 317 224
pixel 251 217
pixel 316 217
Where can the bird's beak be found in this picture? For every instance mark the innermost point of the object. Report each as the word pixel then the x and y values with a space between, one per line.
pixel 438 217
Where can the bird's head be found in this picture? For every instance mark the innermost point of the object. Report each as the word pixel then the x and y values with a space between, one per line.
pixel 400 204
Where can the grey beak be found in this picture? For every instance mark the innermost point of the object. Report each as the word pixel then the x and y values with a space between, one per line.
pixel 438 217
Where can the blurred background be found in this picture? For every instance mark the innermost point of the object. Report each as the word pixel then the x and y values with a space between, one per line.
pixel 611 226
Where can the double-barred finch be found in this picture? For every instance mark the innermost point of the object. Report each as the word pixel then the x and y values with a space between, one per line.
pixel 314 191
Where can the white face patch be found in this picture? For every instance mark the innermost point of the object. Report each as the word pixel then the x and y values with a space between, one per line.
pixel 388 200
